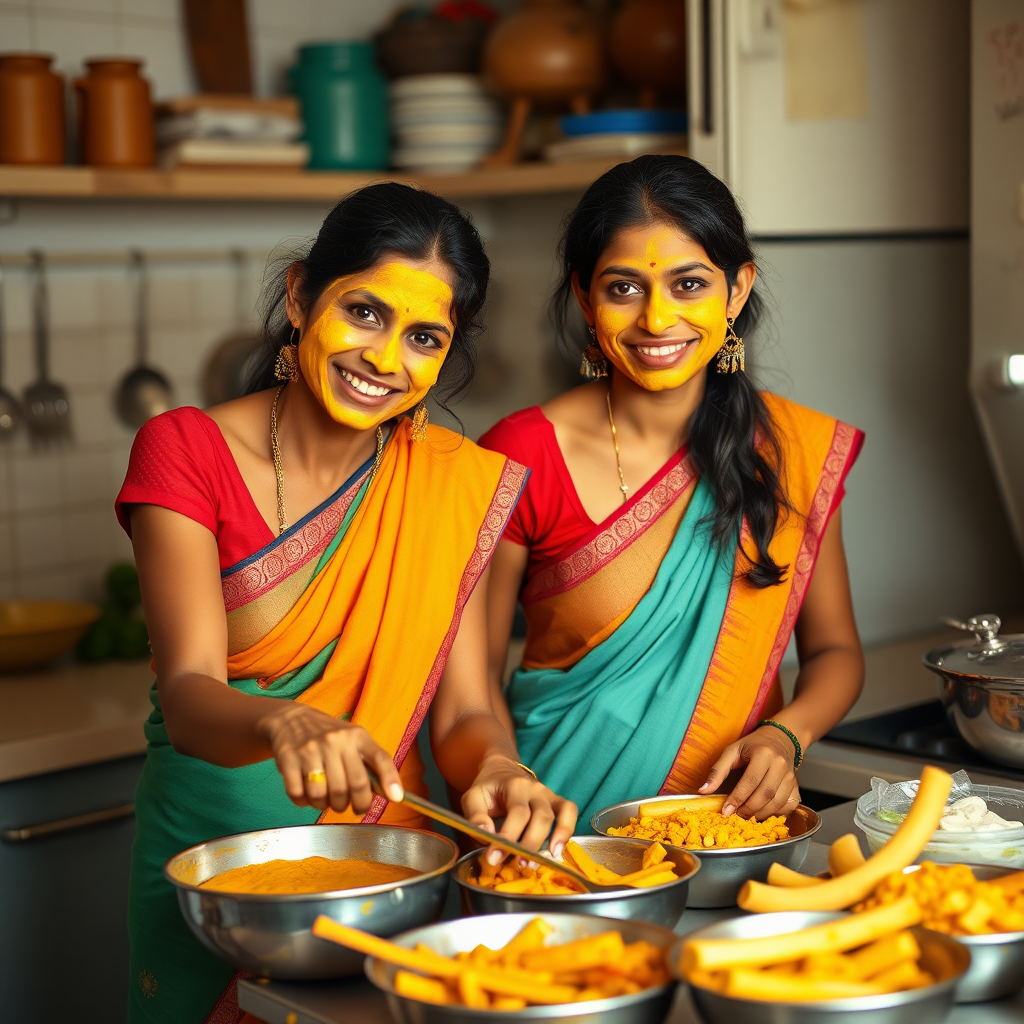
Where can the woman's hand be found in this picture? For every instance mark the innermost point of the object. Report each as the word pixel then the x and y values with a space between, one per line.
pixel 768 784
pixel 529 807
pixel 323 760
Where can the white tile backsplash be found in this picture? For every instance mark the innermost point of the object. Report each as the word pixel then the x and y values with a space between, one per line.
pixel 40 542
pixel 88 475
pixel 38 481
pixel 16 29
pixel 163 48
pixel 74 38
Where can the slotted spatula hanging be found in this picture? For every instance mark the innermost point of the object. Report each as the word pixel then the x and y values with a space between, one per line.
pixel 46 405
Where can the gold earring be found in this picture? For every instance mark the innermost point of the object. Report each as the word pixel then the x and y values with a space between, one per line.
pixel 593 365
pixel 730 355
pixel 420 418
pixel 286 367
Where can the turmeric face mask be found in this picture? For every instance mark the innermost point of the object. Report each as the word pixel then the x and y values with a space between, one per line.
pixel 659 306
pixel 375 343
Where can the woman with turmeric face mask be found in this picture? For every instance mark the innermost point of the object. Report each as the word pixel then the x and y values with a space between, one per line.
pixel 678 524
pixel 313 560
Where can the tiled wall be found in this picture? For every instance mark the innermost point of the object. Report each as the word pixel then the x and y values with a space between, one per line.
pixel 76 29
pixel 57 530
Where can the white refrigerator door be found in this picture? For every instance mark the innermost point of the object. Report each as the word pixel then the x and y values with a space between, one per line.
pixel 902 167
pixel 997 240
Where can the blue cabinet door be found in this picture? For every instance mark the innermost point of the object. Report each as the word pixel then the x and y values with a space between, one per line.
pixel 64 894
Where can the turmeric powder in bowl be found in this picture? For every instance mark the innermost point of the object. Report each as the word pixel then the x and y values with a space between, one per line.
pixel 705 829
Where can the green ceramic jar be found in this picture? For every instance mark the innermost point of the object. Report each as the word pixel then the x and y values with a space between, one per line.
pixel 344 100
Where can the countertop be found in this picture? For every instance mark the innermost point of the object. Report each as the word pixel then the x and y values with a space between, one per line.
pixel 356 1001
pixel 72 715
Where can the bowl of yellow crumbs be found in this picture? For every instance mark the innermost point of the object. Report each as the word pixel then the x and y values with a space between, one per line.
pixel 732 849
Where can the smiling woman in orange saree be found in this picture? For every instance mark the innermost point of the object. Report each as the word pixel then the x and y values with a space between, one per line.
pixel 292 656
pixel 678 525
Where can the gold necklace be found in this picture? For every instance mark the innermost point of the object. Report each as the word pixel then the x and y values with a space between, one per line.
pixel 615 442
pixel 275 447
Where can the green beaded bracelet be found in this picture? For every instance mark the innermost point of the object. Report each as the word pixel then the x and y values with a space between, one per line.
pixel 798 757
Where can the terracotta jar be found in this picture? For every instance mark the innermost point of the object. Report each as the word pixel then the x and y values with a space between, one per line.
pixel 115 114
pixel 647 47
pixel 31 110
pixel 550 52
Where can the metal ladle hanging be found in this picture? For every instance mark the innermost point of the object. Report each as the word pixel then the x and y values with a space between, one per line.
pixel 144 392
pixel 10 407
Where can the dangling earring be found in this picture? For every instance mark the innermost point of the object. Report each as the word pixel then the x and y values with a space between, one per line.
pixel 593 365
pixel 287 366
pixel 420 418
pixel 730 355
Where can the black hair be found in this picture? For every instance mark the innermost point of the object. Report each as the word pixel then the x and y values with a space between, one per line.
pixel 732 442
pixel 365 226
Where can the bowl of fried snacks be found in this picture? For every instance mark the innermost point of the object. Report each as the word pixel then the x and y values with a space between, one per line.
pixel 805 967
pixel 655 881
pixel 732 850
pixel 519 967
pixel 981 906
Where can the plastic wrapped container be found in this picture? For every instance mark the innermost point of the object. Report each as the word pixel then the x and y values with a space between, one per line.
pixel 1004 848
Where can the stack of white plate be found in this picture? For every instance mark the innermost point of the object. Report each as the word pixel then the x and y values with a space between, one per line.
pixel 442 123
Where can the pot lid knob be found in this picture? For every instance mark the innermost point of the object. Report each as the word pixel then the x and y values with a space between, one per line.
pixel 984 627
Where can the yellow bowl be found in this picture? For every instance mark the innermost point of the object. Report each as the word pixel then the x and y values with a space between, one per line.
pixel 34 633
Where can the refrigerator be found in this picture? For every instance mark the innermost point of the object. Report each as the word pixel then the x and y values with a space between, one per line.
pixel 997 241
pixel 843 128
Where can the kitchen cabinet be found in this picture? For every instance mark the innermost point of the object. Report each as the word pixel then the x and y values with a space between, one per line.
pixel 64 893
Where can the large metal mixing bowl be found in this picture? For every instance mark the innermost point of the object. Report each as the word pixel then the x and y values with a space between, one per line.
pixel 723 872
pixel 662 905
pixel 942 956
pixel 466 933
pixel 981 685
pixel 272 935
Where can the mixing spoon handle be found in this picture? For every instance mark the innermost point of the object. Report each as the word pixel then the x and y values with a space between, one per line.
pixel 461 824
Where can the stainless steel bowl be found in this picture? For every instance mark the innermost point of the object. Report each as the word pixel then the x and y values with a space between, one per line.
pixel 663 905
pixel 272 936
pixel 723 872
pixel 997 961
pixel 941 955
pixel 465 933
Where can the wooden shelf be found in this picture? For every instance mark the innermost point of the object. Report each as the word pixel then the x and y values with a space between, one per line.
pixel 289 186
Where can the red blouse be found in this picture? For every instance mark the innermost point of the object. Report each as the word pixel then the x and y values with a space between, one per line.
pixel 550 517
pixel 181 461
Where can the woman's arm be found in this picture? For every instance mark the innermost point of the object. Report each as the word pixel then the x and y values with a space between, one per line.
pixel 508 566
pixel 179 575
pixel 830 680
pixel 472 743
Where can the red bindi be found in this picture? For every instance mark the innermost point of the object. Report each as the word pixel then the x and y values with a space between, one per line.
pixel 653 264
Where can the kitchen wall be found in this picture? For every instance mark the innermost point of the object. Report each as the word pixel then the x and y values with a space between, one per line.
pixel 875 332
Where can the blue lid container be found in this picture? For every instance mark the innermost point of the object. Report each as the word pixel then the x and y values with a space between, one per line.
pixel 621 122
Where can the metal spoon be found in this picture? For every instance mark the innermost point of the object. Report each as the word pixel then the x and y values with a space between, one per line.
pixel 10 408
pixel 45 402
pixel 460 824
pixel 143 392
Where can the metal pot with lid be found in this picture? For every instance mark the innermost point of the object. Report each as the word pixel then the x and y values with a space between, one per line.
pixel 982 688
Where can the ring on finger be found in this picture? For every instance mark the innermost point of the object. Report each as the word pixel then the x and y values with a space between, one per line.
pixel 316 776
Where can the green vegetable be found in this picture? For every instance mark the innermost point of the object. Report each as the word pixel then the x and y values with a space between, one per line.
pixel 132 639
pixel 122 584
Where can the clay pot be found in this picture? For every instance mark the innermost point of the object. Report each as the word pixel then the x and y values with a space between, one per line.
pixel 550 52
pixel 430 46
pixel 115 114
pixel 647 47
pixel 31 110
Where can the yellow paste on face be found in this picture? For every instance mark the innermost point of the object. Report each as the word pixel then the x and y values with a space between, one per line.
pixel 416 297
pixel 311 874
pixel 660 311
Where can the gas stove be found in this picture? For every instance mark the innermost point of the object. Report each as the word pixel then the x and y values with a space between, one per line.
pixel 922 730
pixel 895 746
